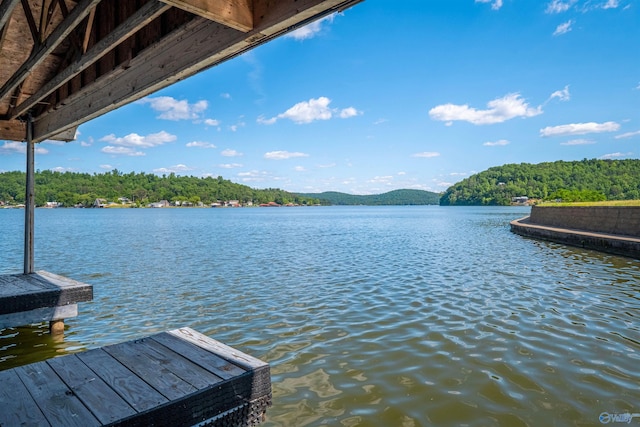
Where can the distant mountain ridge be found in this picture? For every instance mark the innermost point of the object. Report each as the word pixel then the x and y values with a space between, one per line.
pixel 395 197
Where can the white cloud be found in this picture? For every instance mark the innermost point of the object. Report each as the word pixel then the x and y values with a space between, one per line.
pixel 562 95
pixel 11 147
pixel 172 109
pixel 627 135
pixel 253 176
pixel 211 122
pixel 310 111
pixel 174 169
pixel 235 127
pixel 122 151
pixel 380 121
pixel 579 129
pixel 611 4
pixel 107 167
pixel 283 155
pixel 230 165
pixel 200 144
pixel 310 30
pixel 299 169
pixel 381 179
pixel 499 110
pixel 578 142
pixel 496 143
pixel 495 4
pixel 225 95
pixel 139 141
pixel 327 166
pixel 563 28
pixel 349 112
pixel 559 6
pixel 230 153
pixel 615 155
pixel 426 154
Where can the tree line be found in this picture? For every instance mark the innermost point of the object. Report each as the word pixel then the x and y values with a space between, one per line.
pixel 395 197
pixel 82 189
pixel 584 180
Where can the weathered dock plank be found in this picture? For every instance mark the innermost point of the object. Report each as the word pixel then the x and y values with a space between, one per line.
pixel 138 394
pixel 105 403
pixel 60 406
pixel 18 407
pixel 176 378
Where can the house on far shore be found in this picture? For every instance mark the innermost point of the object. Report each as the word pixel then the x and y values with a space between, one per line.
pixel 521 200
pixel 99 203
pixel 160 204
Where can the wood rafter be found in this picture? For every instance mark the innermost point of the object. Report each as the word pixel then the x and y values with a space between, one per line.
pixel 142 17
pixel 87 31
pixel 32 22
pixel 236 14
pixel 79 12
pixel 6 7
pixel 48 8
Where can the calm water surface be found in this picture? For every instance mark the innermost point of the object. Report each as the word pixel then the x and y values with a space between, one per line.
pixel 369 316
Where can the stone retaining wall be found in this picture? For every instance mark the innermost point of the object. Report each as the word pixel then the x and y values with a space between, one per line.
pixel 621 220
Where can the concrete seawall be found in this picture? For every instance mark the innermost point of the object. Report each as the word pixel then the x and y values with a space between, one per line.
pixel 613 230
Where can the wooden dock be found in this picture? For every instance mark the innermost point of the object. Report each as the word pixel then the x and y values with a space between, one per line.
pixel 40 297
pixel 175 378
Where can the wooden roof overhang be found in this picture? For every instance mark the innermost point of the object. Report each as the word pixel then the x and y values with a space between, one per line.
pixel 64 62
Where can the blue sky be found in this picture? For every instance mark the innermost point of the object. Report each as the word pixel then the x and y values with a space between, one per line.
pixel 389 94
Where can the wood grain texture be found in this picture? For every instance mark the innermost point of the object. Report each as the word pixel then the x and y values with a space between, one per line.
pixel 139 395
pixel 56 401
pixel 105 404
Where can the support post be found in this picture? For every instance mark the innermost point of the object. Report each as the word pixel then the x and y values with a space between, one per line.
pixel 56 328
pixel 29 201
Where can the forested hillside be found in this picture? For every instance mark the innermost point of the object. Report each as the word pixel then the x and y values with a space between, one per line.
pixel 396 197
pixel 80 188
pixel 615 179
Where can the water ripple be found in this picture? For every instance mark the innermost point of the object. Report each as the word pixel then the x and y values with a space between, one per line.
pixel 368 316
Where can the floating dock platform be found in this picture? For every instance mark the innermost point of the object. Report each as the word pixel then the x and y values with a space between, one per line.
pixel 175 378
pixel 40 297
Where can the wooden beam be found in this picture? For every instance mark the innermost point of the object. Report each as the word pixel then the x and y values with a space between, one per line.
pixel 82 9
pixel 6 7
pixel 197 45
pixel 292 14
pixel 48 7
pixel 87 31
pixel 138 20
pixel 32 23
pixel 237 14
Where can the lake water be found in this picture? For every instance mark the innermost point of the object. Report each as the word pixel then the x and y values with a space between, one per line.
pixel 369 316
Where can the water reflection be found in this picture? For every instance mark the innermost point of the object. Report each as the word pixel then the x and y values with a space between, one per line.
pixel 29 344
